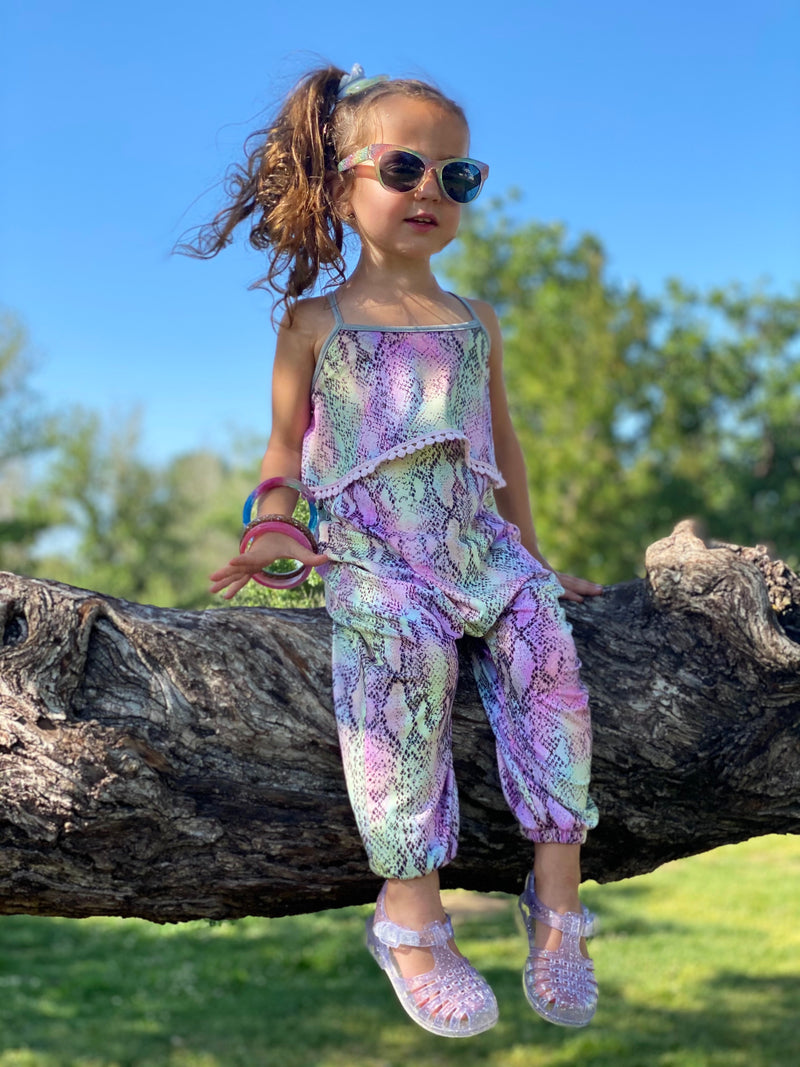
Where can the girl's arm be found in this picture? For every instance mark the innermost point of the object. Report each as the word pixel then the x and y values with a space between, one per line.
pixel 293 369
pixel 513 501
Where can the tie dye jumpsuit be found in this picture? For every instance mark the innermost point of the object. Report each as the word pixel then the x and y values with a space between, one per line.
pixel 400 456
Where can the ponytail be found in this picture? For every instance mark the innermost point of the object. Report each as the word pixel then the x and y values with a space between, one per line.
pixel 284 190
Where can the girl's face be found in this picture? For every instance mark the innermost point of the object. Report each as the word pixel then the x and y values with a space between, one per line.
pixel 419 223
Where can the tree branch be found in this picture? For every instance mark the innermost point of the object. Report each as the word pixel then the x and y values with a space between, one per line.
pixel 174 765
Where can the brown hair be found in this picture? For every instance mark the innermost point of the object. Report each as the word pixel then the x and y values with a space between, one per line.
pixel 286 185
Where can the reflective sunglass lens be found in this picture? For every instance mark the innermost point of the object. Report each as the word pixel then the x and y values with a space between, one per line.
pixel 401 171
pixel 461 181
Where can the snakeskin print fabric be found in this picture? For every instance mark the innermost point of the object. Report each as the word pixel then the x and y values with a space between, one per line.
pixel 420 557
pixel 378 394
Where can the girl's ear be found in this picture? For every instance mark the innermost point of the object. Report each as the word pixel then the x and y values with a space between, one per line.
pixel 340 196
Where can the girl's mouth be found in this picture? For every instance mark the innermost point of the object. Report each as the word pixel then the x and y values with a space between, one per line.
pixel 422 221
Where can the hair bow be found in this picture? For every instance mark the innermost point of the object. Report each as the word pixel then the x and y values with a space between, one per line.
pixel 356 82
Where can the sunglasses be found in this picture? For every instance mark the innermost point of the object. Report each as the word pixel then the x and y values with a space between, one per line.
pixel 402 170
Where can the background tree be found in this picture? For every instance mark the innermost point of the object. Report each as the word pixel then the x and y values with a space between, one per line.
pixel 135 529
pixel 25 431
pixel 637 411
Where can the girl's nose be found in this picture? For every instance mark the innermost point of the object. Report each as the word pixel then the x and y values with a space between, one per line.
pixel 428 187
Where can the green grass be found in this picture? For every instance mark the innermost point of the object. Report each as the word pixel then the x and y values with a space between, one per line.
pixel 699 966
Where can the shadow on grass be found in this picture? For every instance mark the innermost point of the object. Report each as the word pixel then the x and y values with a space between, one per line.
pixel 738 1021
pixel 623 912
pixel 303 992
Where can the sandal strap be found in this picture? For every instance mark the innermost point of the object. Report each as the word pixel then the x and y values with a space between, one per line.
pixel 393 935
pixel 581 923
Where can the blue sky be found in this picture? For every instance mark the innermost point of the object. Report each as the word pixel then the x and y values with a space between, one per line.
pixel 669 130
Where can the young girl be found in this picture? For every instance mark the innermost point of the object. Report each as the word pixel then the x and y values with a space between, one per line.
pixel 389 404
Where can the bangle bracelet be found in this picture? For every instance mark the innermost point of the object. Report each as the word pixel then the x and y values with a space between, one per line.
pixel 301 526
pixel 279 579
pixel 276 483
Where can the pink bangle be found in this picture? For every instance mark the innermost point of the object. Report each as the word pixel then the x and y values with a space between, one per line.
pixel 301 526
pixel 279 579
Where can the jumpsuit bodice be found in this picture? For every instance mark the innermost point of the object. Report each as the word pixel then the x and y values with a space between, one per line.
pixel 380 393
pixel 400 457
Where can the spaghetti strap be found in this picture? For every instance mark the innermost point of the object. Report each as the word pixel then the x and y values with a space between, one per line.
pixel 466 303
pixel 335 309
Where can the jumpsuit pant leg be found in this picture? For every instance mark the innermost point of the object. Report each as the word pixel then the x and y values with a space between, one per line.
pixel 395 669
pixel 527 674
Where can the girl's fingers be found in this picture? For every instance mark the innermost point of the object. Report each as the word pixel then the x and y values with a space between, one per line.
pixel 220 575
pixel 252 566
pixel 569 593
pixel 219 585
pixel 235 575
pixel 236 588
pixel 578 588
pixel 587 588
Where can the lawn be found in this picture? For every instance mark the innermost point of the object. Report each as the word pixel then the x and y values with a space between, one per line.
pixel 699 966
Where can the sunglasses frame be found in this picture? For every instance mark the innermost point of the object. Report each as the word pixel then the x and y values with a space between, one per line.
pixel 372 153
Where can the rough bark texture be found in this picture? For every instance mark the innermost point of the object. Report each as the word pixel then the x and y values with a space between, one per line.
pixel 173 764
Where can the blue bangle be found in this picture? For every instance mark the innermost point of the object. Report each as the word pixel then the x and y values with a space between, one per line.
pixel 276 483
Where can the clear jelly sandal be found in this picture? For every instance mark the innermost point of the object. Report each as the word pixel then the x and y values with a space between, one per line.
pixel 451 1000
pixel 559 983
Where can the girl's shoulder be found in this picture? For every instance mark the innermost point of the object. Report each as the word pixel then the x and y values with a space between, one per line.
pixel 483 311
pixel 308 323
pixel 486 315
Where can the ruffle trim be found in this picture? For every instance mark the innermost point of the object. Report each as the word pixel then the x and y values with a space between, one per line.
pixel 325 492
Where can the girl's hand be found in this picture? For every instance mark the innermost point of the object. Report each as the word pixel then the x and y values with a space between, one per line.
pixel 574 588
pixel 577 588
pixel 265 550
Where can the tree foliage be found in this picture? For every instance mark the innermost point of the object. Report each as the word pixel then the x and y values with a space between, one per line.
pixel 135 529
pixel 25 431
pixel 80 504
pixel 636 411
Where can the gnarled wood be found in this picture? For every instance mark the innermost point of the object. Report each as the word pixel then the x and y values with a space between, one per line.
pixel 173 764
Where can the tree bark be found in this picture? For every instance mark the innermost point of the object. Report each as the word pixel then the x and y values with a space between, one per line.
pixel 175 765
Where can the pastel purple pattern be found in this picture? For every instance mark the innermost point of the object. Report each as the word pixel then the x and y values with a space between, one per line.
pixel 378 394
pixel 420 557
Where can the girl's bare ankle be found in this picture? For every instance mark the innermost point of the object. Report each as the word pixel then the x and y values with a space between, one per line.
pixel 557 876
pixel 414 902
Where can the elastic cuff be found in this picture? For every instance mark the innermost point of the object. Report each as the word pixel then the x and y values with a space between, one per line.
pixel 407 866
pixel 555 836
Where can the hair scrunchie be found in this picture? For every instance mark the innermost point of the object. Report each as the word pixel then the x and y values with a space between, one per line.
pixel 357 82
